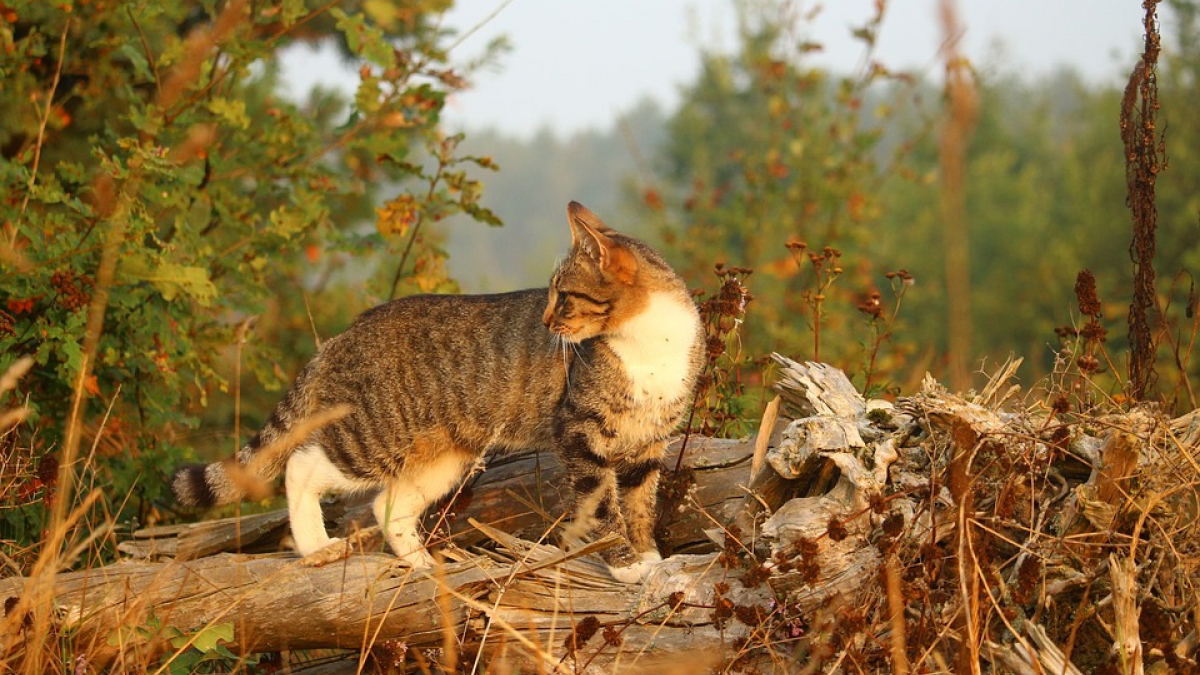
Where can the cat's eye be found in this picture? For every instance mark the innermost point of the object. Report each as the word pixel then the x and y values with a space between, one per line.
pixel 584 296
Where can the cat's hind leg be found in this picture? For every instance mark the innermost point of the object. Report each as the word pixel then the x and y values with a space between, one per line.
pixel 309 475
pixel 400 505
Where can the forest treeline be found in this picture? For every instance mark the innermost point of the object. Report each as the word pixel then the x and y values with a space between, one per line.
pixel 766 150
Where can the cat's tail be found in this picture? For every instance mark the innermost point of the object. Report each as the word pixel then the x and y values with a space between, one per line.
pixel 251 471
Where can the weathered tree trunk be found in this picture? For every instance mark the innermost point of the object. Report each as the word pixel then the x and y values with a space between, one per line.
pixel 519 595
pixel 519 493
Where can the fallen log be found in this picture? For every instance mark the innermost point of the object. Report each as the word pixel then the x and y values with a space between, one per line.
pixel 496 579
pixel 519 493
pixel 765 569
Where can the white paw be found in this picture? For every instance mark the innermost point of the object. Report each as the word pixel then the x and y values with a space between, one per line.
pixel 634 573
pixel 331 550
pixel 311 547
pixel 653 557
pixel 418 559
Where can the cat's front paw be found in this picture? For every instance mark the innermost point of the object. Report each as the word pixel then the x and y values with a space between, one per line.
pixel 418 559
pixel 332 550
pixel 636 572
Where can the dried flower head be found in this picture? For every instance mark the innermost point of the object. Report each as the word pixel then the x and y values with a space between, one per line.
pixel 1065 332
pixel 805 547
pixel 870 304
pixel 810 570
pixel 716 347
pixel 750 615
pixel 1028 574
pixel 48 470
pixel 1093 331
pixel 836 530
pixel 1061 404
pixel 583 631
pixel 876 502
pixel 73 292
pixel 722 610
pixel 1085 293
pixel 732 548
pixel 1061 437
pixel 675 600
pixel 756 575
pixel 390 654
pixel 893 524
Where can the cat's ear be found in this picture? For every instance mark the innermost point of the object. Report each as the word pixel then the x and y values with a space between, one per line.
pixel 584 224
pixel 590 233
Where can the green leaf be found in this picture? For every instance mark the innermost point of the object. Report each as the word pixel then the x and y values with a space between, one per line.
pixel 72 172
pixel 287 222
pixel 483 215
pixel 171 279
pixel 208 637
pixel 366 97
pixel 141 67
pixel 366 41
pixel 292 10
pixel 185 663
pixel 233 112
pixel 383 12
pixel 73 351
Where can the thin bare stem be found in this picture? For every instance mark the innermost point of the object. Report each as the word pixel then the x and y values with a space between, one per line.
pixel 41 138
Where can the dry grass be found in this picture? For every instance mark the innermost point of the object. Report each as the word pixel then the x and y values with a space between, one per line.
pixel 1014 535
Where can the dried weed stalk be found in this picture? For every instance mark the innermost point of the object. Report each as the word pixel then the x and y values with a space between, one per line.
pixel 1145 157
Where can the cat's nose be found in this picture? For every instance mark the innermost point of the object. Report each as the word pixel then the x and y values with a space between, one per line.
pixel 547 317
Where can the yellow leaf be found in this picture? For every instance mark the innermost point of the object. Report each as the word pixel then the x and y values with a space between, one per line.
pixel 382 12
pixel 171 279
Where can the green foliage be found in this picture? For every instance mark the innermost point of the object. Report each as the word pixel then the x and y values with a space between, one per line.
pixel 199 652
pixel 157 130
pixel 767 150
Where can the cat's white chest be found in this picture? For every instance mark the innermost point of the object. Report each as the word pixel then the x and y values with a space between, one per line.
pixel 655 348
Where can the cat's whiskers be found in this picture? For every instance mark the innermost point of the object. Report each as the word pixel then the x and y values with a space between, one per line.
pixel 562 347
pixel 579 355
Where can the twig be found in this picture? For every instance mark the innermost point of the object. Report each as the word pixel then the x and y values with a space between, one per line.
pixel 145 48
pixel 412 236
pixel 37 149
pixel 308 17
pixel 471 31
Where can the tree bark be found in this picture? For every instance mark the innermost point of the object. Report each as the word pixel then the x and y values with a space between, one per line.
pixel 507 592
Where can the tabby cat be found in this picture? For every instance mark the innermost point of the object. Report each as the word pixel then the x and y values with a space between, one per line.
pixel 599 367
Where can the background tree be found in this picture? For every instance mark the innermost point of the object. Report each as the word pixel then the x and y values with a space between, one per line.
pixel 766 150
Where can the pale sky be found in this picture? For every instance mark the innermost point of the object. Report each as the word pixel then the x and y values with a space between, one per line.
pixel 578 64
